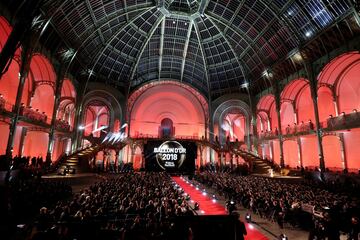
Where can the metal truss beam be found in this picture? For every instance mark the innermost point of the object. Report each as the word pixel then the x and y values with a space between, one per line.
pixel 161 48
pixel 186 48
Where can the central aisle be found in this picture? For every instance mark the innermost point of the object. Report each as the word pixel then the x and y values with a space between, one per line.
pixel 213 208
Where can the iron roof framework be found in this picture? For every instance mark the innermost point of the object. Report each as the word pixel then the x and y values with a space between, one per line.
pixel 216 46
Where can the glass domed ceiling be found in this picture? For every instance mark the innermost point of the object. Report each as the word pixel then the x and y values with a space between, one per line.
pixel 212 45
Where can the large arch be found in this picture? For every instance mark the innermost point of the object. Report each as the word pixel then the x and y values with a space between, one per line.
pixel 171 101
pixel 66 110
pixel 44 78
pixel 232 106
pixel 341 76
pixel 296 103
pixel 97 118
pixel 339 91
pixel 234 126
pixel 10 79
pixel 325 102
pixel 266 113
pixel 104 102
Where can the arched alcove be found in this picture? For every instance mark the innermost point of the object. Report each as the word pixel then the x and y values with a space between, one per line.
pixel 267 110
pixel 325 104
pixel 296 94
pixel 339 91
pixel 236 108
pixel 234 125
pixel 167 101
pixel 44 78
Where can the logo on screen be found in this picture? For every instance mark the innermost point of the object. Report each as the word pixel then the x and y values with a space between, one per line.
pixel 170 154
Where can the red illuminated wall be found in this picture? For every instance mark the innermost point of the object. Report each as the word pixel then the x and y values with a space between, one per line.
pixel 4 129
pixel 95 118
pixel 276 147
pixel 167 101
pixel 325 103
pixel 342 74
pixel 234 126
pixel 291 157
pixel 267 110
pixel 352 149
pixel 60 147
pixel 349 89
pixel 287 114
pixel 305 106
pixel 67 105
pixel 43 98
pixel 36 144
pixel 310 156
pixel 332 155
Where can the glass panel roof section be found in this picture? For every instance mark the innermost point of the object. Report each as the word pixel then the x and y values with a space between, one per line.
pixel 214 45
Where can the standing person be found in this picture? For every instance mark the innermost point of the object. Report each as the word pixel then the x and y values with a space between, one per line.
pixel 354 233
pixel 240 229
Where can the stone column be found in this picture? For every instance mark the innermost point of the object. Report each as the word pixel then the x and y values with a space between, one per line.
pixel 298 140
pixel 24 70
pixel 22 140
pixel 280 137
pixel 342 150
pixel 314 96
pixel 58 87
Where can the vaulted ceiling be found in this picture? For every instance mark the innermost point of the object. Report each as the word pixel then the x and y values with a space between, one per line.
pixel 217 46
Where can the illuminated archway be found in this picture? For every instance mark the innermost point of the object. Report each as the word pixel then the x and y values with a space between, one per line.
pixel 296 103
pixel 339 91
pixel 236 107
pixel 97 118
pixel 44 78
pixel 171 101
pixel 234 125
pixel 100 111
pixel 267 115
pixel 10 79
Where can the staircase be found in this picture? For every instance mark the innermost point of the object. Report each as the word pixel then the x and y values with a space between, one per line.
pixel 260 166
pixel 72 163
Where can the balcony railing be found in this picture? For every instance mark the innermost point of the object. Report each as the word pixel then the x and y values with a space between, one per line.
pixel 62 125
pixel 185 137
pixel 34 115
pixel 343 121
pixel 5 105
pixel 296 129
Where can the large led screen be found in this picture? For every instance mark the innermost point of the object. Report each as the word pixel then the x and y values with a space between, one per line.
pixel 170 156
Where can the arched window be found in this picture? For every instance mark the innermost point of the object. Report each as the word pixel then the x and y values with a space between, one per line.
pixel 166 128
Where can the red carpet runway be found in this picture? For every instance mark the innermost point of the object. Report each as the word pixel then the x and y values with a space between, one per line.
pixel 208 207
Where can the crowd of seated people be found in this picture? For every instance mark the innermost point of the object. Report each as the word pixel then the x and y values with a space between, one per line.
pixel 130 206
pixel 62 125
pixel 285 202
pixel 240 169
pixel 32 114
pixel 21 197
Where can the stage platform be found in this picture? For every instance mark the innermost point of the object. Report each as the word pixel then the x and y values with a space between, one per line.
pixel 277 176
pixel 68 176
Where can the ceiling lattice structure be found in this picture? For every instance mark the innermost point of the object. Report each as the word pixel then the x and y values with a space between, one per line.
pixel 215 46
